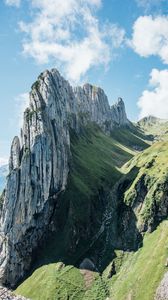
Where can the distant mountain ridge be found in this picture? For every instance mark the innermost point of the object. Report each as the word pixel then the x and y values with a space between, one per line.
pixel 151 120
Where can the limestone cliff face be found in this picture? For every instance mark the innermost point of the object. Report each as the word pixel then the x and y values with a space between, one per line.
pixel 39 164
pixel 118 114
pixel 92 101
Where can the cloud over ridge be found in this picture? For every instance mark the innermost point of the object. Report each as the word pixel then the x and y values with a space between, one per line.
pixel 69 34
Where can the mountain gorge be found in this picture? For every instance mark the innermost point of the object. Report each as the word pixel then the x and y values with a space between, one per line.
pixel 83 214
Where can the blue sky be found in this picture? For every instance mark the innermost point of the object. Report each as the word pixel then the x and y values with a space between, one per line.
pixel 120 45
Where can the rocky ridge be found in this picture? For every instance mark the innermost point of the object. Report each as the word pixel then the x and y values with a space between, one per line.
pixel 39 164
pixel 162 290
pixel 6 294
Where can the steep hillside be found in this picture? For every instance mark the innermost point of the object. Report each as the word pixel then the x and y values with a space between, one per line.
pixel 138 275
pixel 95 167
pixel 47 182
pixel 140 187
pixel 147 192
pixel 156 127
pixel 83 213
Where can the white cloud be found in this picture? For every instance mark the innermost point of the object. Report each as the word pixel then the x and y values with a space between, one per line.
pixel 13 2
pixel 150 37
pixel 22 102
pixel 68 34
pixel 154 101
pixel 147 5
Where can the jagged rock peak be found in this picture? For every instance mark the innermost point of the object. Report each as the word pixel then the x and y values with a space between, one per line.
pixel 88 99
pixel 118 113
pixel 120 101
pixel 93 102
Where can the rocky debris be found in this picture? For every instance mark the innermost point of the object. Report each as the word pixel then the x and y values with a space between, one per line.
pixel 6 294
pixel 39 164
pixel 162 290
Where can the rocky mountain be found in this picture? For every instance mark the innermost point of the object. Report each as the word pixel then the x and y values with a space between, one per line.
pixel 150 120
pixel 82 191
pixel 155 127
pixel 39 163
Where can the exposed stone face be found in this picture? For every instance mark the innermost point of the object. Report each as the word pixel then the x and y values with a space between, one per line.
pixel 162 291
pixel 39 164
pixel 118 114
pixel 6 294
pixel 93 102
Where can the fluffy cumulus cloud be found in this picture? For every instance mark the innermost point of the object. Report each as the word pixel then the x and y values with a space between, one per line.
pixel 68 34
pixel 13 2
pixel 150 37
pixel 154 101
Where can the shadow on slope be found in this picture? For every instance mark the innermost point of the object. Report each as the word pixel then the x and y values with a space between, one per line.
pixel 90 219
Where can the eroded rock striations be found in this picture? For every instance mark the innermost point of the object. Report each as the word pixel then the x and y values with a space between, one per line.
pixel 39 164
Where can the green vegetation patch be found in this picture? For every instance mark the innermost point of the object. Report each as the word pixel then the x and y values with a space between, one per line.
pixel 142 271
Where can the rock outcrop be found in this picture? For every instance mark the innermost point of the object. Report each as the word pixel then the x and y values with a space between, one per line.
pixel 118 114
pixel 93 102
pixel 6 294
pixel 162 291
pixel 39 164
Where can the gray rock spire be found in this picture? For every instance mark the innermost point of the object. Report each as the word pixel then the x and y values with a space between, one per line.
pixel 118 113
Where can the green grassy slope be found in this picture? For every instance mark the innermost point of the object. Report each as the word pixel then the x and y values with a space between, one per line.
pixel 141 272
pixel 137 278
pixel 54 282
pixel 154 126
pixel 152 177
pixel 96 164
